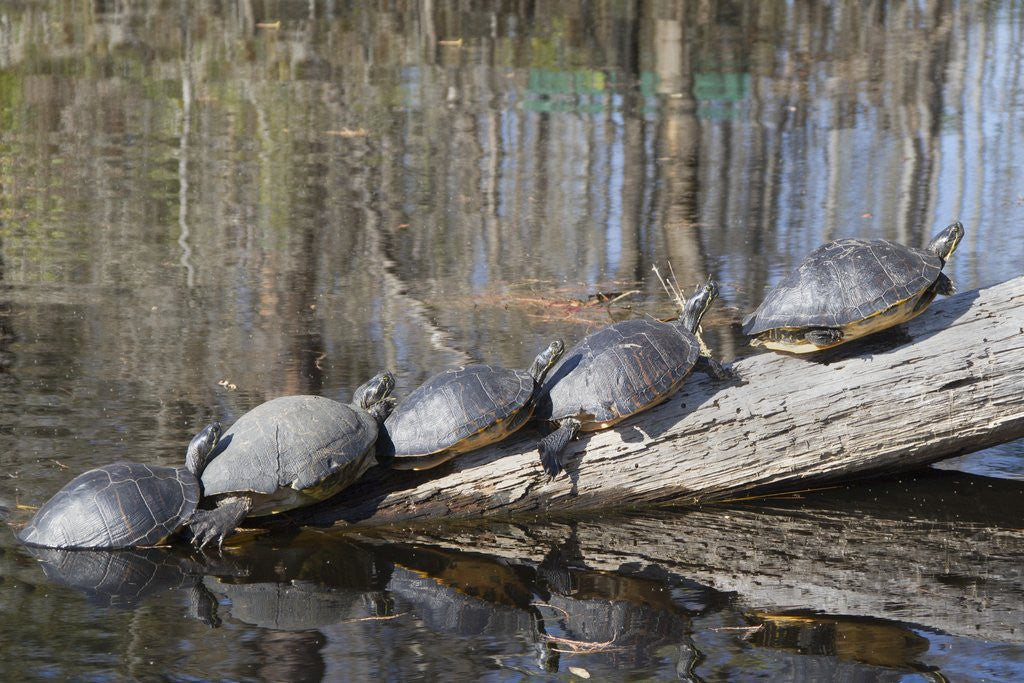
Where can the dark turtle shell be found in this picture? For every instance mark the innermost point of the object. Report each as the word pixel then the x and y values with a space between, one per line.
pixel 116 506
pixel 845 281
pixel 296 442
pixel 618 371
pixel 456 404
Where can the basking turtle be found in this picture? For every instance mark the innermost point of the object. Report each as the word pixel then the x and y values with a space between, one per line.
pixel 461 409
pixel 618 371
pixel 850 288
pixel 289 452
pixel 125 504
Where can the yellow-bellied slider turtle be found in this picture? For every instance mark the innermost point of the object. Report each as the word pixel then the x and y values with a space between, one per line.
pixel 125 504
pixel 619 371
pixel 289 452
pixel 462 409
pixel 850 288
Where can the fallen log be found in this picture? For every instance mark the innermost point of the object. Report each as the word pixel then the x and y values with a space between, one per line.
pixel 940 549
pixel 947 383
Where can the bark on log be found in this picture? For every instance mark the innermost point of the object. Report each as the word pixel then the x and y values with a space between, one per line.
pixel 947 383
pixel 941 550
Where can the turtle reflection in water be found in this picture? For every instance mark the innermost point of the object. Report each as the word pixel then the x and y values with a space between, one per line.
pixel 849 288
pixel 313 581
pixel 623 619
pixel 619 371
pixel 125 504
pixel 289 452
pixel 463 409
pixel 124 578
pixel 873 642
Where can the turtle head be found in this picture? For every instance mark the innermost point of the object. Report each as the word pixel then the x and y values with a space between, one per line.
pixel 944 244
pixel 546 360
pixel 374 391
pixel 201 447
pixel 698 304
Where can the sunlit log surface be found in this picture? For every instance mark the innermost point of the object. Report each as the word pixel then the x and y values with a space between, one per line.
pixel 942 550
pixel 947 383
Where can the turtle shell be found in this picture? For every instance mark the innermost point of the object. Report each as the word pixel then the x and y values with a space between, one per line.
pixel 618 371
pixel 845 281
pixel 116 506
pixel 295 442
pixel 454 405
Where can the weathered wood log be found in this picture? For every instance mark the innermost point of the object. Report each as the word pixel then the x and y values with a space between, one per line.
pixel 941 549
pixel 947 383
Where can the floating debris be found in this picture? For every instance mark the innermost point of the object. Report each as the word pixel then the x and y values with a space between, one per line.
pixel 349 132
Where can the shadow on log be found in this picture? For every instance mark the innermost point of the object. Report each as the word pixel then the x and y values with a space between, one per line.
pixel 951 562
pixel 947 383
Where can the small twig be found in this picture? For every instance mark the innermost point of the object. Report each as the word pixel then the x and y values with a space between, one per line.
pixel 579 646
pixel 609 304
pixel 737 628
pixel 676 294
pixel 385 618
pixel 554 607
pixel 781 495
pixel 673 292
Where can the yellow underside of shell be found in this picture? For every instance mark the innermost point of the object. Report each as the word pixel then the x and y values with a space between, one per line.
pixel 485 437
pixel 899 312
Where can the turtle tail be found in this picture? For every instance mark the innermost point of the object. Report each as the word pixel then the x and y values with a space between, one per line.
pixel 552 446
pixel 747 324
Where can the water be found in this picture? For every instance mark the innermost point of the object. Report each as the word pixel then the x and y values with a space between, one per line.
pixel 207 205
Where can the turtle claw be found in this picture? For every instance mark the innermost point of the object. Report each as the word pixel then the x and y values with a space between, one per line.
pixel 217 524
pixel 203 532
pixel 714 369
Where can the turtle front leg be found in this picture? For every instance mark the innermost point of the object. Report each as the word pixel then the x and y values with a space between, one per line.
pixel 552 445
pixel 216 524
pixel 714 369
pixel 944 286
pixel 824 336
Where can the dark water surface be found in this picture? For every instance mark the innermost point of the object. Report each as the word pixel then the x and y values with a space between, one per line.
pixel 205 205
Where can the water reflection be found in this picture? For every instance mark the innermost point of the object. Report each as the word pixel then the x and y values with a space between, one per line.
pixel 304 584
pixel 701 595
pixel 880 644
pixel 285 197
pixel 124 578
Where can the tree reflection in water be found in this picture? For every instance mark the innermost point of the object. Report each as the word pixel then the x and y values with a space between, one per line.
pixel 210 204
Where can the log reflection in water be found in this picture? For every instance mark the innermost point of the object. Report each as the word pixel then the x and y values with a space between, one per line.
pixel 951 563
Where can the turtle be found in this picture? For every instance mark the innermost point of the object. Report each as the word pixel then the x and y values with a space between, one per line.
pixel 849 288
pixel 124 504
pixel 462 409
pixel 619 371
pixel 289 452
